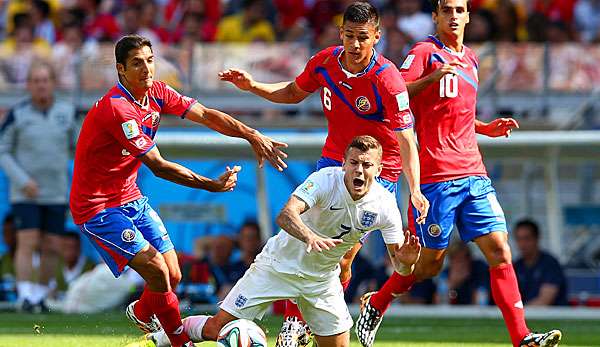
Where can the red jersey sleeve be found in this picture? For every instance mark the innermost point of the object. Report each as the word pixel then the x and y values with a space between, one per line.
pixel 416 63
pixel 173 102
pixel 307 79
pixel 123 124
pixel 395 99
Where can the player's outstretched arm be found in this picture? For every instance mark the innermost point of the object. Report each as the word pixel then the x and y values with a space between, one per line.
pixel 496 128
pixel 290 221
pixel 412 172
pixel 264 147
pixel 405 256
pixel 181 175
pixel 282 92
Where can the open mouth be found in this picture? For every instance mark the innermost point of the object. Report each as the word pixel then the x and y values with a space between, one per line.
pixel 454 25
pixel 358 182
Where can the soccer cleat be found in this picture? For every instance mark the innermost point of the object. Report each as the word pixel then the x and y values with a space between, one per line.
pixel 304 335
pixel 549 339
pixel 294 333
pixel 368 321
pixel 146 341
pixel 147 327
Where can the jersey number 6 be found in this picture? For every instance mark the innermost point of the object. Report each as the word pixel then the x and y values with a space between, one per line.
pixel 327 98
pixel 449 86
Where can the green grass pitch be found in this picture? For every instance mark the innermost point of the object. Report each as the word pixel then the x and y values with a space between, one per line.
pixel 112 329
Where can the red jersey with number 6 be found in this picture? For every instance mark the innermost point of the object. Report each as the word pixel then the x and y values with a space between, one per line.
pixel 373 102
pixel 445 112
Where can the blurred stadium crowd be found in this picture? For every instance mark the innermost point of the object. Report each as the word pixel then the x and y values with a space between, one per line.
pixel 58 28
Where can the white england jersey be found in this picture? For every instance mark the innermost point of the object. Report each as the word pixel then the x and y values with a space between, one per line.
pixel 333 213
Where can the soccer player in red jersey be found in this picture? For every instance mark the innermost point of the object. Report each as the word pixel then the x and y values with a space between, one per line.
pixel 362 93
pixel 441 76
pixel 117 136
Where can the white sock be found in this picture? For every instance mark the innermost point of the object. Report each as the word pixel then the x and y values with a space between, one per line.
pixel 40 292
pixel 24 290
pixel 193 326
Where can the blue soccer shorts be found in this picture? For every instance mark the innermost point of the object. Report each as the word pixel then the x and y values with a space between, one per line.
pixel 468 202
pixel 119 233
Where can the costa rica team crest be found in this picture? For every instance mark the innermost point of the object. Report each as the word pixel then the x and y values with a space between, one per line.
pixel 368 219
pixel 363 104
pixel 128 235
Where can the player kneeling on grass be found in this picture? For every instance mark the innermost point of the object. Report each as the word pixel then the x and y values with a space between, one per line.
pixel 322 220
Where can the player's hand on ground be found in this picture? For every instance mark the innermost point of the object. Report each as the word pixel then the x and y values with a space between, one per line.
pixel 409 252
pixel 31 189
pixel 500 127
pixel 240 78
pixel 420 202
pixel 448 68
pixel 318 244
pixel 226 182
pixel 265 148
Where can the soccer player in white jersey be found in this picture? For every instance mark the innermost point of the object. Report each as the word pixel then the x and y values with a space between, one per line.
pixel 325 216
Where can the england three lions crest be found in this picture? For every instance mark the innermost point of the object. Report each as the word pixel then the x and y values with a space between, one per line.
pixel 368 219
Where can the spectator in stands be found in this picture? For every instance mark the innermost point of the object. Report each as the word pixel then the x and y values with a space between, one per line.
pixel 465 281
pixel 541 278
pixel 149 25
pixel 7 268
pixel 412 20
pixel 20 49
pixel 99 23
pixel 249 25
pixel 481 27
pixel 219 258
pixel 250 244
pixel 73 263
pixel 69 53
pixel 43 26
pixel 587 20
pixel 35 141
pixel 506 21
pixel 291 22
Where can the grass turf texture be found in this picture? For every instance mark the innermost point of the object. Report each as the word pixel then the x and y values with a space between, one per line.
pixel 113 329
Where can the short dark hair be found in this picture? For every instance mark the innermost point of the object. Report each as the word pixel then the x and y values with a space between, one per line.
pixel 40 65
pixel 530 225
pixel 364 143
pixel 435 5
pixel 361 12
pixel 126 44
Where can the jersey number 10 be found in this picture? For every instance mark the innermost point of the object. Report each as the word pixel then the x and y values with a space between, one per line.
pixel 449 86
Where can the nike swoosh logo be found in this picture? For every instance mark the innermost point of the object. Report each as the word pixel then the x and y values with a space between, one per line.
pixel 335 208
pixel 345 227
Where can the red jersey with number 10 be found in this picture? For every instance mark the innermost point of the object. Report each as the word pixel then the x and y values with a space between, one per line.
pixel 373 102
pixel 445 112
pixel 115 133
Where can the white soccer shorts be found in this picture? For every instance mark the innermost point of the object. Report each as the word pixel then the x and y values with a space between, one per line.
pixel 321 302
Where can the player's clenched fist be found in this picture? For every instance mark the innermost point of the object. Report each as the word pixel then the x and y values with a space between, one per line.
pixel 240 78
pixel 226 182
pixel 319 244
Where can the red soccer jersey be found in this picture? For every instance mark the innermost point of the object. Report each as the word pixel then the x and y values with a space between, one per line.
pixel 116 131
pixel 373 102
pixel 445 112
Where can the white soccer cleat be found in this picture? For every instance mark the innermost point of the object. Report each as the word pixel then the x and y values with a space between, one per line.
pixel 549 339
pixel 368 321
pixel 294 333
pixel 147 327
